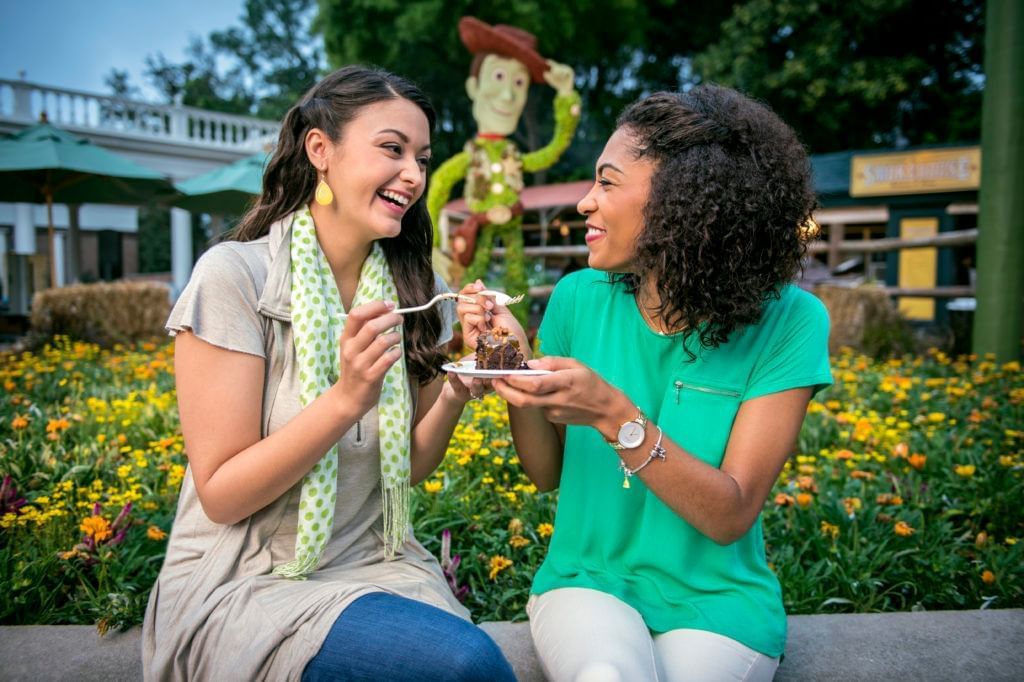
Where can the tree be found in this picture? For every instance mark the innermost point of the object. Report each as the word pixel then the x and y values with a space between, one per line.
pixel 857 74
pixel 260 67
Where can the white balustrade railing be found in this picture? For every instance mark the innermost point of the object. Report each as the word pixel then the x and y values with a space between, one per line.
pixel 24 102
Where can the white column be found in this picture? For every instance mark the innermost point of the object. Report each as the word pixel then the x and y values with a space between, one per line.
pixel 24 230
pixel 181 248
pixel 59 258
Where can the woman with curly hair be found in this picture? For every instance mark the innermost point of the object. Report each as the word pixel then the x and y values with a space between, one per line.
pixel 682 363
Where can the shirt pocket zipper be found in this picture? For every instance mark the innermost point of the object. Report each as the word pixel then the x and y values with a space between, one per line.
pixel 679 385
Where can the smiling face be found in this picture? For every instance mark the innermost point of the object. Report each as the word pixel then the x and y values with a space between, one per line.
pixel 614 205
pixel 498 94
pixel 378 169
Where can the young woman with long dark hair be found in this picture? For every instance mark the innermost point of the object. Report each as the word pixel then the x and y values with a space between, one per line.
pixel 308 408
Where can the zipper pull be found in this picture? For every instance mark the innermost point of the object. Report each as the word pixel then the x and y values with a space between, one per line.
pixel 679 387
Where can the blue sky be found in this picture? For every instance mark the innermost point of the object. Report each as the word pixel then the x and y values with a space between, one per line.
pixel 75 43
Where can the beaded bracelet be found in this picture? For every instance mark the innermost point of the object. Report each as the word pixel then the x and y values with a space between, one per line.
pixel 657 452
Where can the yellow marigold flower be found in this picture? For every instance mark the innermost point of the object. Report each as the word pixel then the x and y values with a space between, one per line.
pixel 784 500
pixel 97 527
pixel 498 564
pixel 917 460
pixel 889 498
pixel 834 405
pixel 903 529
pixel 545 530
pixel 432 487
pixel 936 417
pixel 518 541
pixel 851 505
pixel 981 540
pixel 965 470
pixel 829 530
pixel 988 577
pixel 155 533
pixel 1010 541
pixel 19 422
pixel 515 526
pixel 804 499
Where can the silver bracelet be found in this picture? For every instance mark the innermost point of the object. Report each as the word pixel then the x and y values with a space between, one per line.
pixel 657 452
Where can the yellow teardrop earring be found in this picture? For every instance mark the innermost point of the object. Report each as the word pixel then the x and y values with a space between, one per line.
pixel 324 196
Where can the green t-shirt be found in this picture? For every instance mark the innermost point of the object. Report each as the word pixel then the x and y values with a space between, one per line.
pixel 627 542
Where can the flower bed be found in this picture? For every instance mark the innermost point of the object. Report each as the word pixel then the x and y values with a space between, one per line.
pixel 904 493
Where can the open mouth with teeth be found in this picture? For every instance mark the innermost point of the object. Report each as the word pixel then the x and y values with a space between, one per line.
pixel 393 199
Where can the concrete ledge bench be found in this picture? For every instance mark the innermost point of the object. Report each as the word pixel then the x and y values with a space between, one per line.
pixel 936 645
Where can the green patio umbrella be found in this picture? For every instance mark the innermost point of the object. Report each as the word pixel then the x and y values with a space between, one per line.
pixel 226 190
pixel 44 164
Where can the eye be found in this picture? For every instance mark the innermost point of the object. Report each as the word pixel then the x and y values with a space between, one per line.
pixel 393 148
pixel 499 75
pixel 604 182
pixel 520 82
pixel 424 161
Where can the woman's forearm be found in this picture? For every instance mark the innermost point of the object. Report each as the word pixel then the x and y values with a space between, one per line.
pixel 432 433
pixel 538 445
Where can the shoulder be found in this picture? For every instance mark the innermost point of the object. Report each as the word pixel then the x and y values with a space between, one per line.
pixel 238 264
pixel 799 305
pixel 581 282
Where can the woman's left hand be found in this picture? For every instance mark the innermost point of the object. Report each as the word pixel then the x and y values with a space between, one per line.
pixel 572 394
pixel 462 388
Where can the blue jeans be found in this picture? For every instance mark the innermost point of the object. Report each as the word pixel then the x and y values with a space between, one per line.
pixel 385 637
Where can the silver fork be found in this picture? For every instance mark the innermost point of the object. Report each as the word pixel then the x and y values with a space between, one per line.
pixel 499 297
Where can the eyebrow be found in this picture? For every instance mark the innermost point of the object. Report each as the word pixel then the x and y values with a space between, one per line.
pixel 402 136
pixel 611 166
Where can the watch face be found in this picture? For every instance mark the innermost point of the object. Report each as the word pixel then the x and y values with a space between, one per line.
pixel 631 434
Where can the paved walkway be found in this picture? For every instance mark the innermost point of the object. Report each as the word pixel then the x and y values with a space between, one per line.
pixel 941 645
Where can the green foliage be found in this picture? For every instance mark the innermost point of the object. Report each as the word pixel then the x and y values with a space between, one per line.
pixel 904 493
pixel 850 75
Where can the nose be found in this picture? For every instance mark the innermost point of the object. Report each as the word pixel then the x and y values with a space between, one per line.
pixel 587 204
pixel 411 173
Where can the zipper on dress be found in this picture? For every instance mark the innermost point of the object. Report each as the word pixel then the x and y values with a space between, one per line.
pixel 359 432
pixel 704 389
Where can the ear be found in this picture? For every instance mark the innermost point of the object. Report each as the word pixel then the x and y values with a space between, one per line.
pixel 472 87
pixel 318 148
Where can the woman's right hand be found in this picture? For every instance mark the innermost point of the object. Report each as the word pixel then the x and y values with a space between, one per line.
pixel 484 313
pixel 369 346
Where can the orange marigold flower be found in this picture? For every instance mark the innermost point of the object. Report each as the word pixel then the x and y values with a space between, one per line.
pixel 901 450
pixel 844 454
pixel 804 499
pixel 97 527
pixel 903 529
pixel 807 483
pixel 155 533
pixel 917 460
pixel 965 470
pixel 783 500
pixel 19 422
pixel 498 564
pixel 57 425
pixel 518 541
pixel 988 577
pixel 862 475
pixel 852 505
pixel 889 498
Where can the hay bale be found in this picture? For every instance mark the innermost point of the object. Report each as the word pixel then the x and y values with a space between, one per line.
pixel 105 313
pixel 864 318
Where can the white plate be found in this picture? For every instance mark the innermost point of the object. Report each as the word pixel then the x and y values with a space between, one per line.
pixel 468 368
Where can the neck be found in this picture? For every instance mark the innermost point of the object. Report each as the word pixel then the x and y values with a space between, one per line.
pixel 344 249
pixel 649 301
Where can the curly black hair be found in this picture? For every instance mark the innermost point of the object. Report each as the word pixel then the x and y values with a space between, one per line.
pixel 730 188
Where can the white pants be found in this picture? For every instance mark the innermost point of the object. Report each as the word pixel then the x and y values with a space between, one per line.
pixel 584 635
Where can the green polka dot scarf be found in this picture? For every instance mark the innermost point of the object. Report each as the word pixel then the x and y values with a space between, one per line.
pixel 316 326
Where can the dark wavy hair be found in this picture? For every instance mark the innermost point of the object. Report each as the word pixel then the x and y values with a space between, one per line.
pixel 730 188
pixel 290 180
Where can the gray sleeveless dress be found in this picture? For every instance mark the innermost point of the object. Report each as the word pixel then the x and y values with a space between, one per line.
pixel 216 612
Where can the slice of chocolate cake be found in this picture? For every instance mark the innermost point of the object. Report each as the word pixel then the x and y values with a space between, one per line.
pixel 498 349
